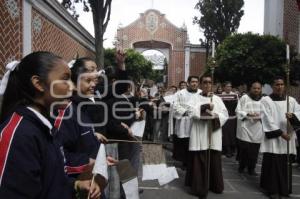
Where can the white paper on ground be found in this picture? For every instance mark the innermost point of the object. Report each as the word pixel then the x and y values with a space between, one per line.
pixel 100 166
pixel 168 176
pixel 154 171
pixel 131 189
pixel 138 128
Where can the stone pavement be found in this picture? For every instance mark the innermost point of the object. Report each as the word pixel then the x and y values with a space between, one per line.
pixel 237 185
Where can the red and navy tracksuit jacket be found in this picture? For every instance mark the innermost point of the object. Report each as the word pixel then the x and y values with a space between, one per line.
pixel 79 141
pixel 31 159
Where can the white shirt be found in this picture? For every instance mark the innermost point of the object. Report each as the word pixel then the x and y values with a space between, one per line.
pixel 273 118
pixel 248 129
pixel 182 104
pixel 199 138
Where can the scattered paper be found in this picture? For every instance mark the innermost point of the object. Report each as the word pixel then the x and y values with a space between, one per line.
pixel 153 172
pixel 131 189
pixel 138 128
pixel 159 172
pixel 168 176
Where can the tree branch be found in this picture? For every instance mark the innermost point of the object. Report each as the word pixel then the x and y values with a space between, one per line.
pixel 108 3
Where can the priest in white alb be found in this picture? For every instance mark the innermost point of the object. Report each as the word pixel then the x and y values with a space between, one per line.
pixel 204 170
pixel 275 179
pixel 182 107
pixel 249 128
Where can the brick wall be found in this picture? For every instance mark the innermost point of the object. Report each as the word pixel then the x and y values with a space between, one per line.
pixel 291 23
pixel 45 35
pixel 291 33
pixel 10 32
pixel 197 63
pixel 53 39
pixel 177 73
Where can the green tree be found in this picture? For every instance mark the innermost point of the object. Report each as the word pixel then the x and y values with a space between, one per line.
pixel 218 18
pixel 136 65
pixel 110 57
pixel 101 10
pixel 243 58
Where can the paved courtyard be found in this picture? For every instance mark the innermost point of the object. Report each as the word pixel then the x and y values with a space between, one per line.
pixel 236 185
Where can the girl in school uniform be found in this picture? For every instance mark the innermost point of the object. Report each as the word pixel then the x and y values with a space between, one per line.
pixel 31 158
pixel 76 128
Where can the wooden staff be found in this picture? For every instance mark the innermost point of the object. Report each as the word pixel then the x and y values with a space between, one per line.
pixel 210 127
pixel 92 184
pixel 136 141
pixel 288 126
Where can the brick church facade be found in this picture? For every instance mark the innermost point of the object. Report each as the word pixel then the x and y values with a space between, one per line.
pixel 152 30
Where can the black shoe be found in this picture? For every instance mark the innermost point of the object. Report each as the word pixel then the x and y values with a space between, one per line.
pixel 141 191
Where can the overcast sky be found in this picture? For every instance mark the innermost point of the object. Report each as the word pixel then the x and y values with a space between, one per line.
pixel 177 11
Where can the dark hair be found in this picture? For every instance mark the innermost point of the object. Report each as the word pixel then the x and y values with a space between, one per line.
pixel 278 78
pixel 20 89
pixel 226 83
pixel 191 77
pixel 181 82
pixel 174 87
pixel 251 84
pixel 79 68
pixel 204 76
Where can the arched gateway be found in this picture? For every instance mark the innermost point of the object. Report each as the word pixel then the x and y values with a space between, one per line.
pixel 153 31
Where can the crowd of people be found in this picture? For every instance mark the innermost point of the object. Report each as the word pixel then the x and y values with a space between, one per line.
pixel 55 116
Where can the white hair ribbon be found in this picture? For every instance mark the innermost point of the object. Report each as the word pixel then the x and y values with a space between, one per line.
pixel 101 72
pixel 71 63
pixel 9 68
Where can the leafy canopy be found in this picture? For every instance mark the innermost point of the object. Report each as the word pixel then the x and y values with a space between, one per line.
pixel 219 18
pixel 243 58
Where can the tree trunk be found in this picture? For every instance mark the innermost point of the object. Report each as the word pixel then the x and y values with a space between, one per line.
pixel 101 16
pixel 98 41
pixel 99 49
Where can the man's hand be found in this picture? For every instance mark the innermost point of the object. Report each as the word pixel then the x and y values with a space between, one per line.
pixel 140 114
pixel 253 115
pixel 111 161
pixel 124 125
pixel 86 186
pixel 120 59
pixel 289 115
pixel 95 191
pixel 101 138
pixel 286 136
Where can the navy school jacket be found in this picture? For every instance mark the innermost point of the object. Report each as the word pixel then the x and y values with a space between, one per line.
pixel 31 159
pixel 79 141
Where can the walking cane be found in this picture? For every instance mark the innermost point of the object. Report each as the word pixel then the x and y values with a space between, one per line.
pixel 288 126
